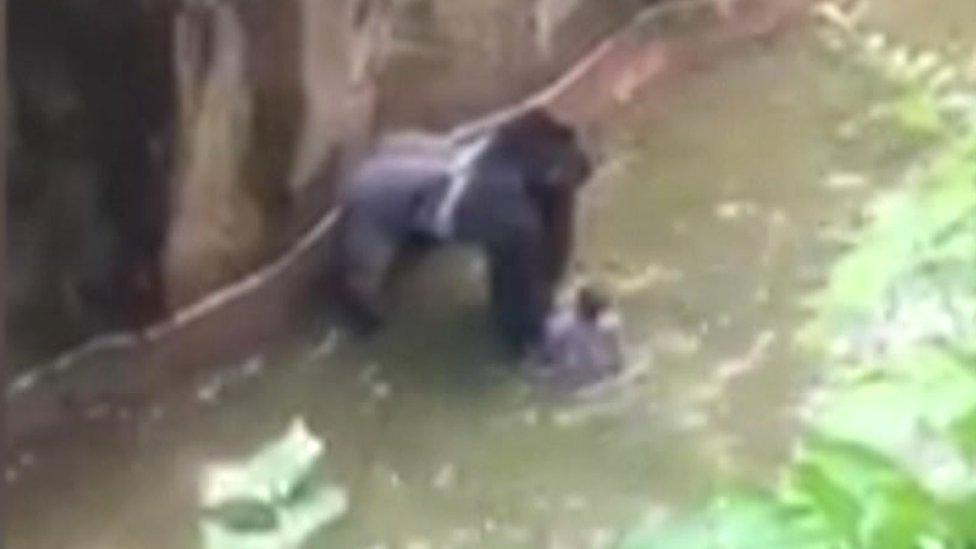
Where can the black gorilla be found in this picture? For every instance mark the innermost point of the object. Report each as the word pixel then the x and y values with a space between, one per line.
pixel 511 191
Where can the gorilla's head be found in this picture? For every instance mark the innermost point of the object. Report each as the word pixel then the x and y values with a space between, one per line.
pixel 547 151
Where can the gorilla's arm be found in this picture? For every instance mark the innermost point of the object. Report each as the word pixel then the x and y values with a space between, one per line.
pixel 379 221
pixel 521 292
pixel 559 235
pixel 365 256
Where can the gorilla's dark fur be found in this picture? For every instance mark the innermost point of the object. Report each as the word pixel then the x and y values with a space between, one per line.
pixel 511 191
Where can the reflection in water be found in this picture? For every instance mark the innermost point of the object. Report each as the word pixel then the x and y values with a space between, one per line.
pixel 707 222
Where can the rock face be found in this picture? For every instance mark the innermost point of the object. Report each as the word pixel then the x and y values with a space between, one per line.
pixel 453 60
pixel 88 201
pixel 156 148
pixel 162 148
pixel 265 92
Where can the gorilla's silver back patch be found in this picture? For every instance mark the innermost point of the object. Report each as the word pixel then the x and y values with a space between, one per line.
pixel 461 173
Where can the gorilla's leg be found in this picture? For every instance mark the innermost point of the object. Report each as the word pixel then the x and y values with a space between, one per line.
pixel 520 292
pixel 366 254
pixel 559 230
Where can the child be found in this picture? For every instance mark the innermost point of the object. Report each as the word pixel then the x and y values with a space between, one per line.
pixel 583 341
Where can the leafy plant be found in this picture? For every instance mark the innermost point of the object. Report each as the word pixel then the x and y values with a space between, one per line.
pixel 889 457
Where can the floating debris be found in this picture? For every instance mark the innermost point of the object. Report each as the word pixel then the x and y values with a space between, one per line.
pixel 676 342
pixel 275 499
pixel 650 275
pixel 848 19
pixel 730 369
pixel 761 295
pixel 588 411
pixel 846 181
pixel 252 366
pixel 395 479
pixel 156 412
pixel 97 411
pixel 464 536
pixel 691 420
pixel 705 393
pixel 517 534
pixel 446 477
pixel 850 130
pixel 531 417
pixel 369 373
pixel 326 347
pixel 27 459
pixel 636 371
pixel 602 537
pixel 735 209
pixel 540 503
pixel 418 543
pixel 381 390
pixel 208 392
pixel 575 502
pixel 24 382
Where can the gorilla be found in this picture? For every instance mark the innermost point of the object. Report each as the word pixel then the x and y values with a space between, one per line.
pixel 511 191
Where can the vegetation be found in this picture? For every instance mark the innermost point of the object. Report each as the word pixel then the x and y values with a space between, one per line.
pixel 888 459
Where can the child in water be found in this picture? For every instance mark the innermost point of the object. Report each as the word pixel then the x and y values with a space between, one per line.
pixel 583 342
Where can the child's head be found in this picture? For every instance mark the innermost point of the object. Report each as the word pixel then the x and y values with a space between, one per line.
pixel 591 303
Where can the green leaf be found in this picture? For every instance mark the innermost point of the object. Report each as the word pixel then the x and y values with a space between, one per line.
pixel 919 114
pixel 743 519
pixel 897 518
pixel 809 483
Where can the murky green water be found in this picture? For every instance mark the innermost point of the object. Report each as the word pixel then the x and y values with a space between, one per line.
pixel 714 192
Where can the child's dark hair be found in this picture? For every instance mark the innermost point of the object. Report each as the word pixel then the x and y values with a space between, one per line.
pixel 590 303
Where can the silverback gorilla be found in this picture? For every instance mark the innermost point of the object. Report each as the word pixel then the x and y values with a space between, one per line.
pixel 510 191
